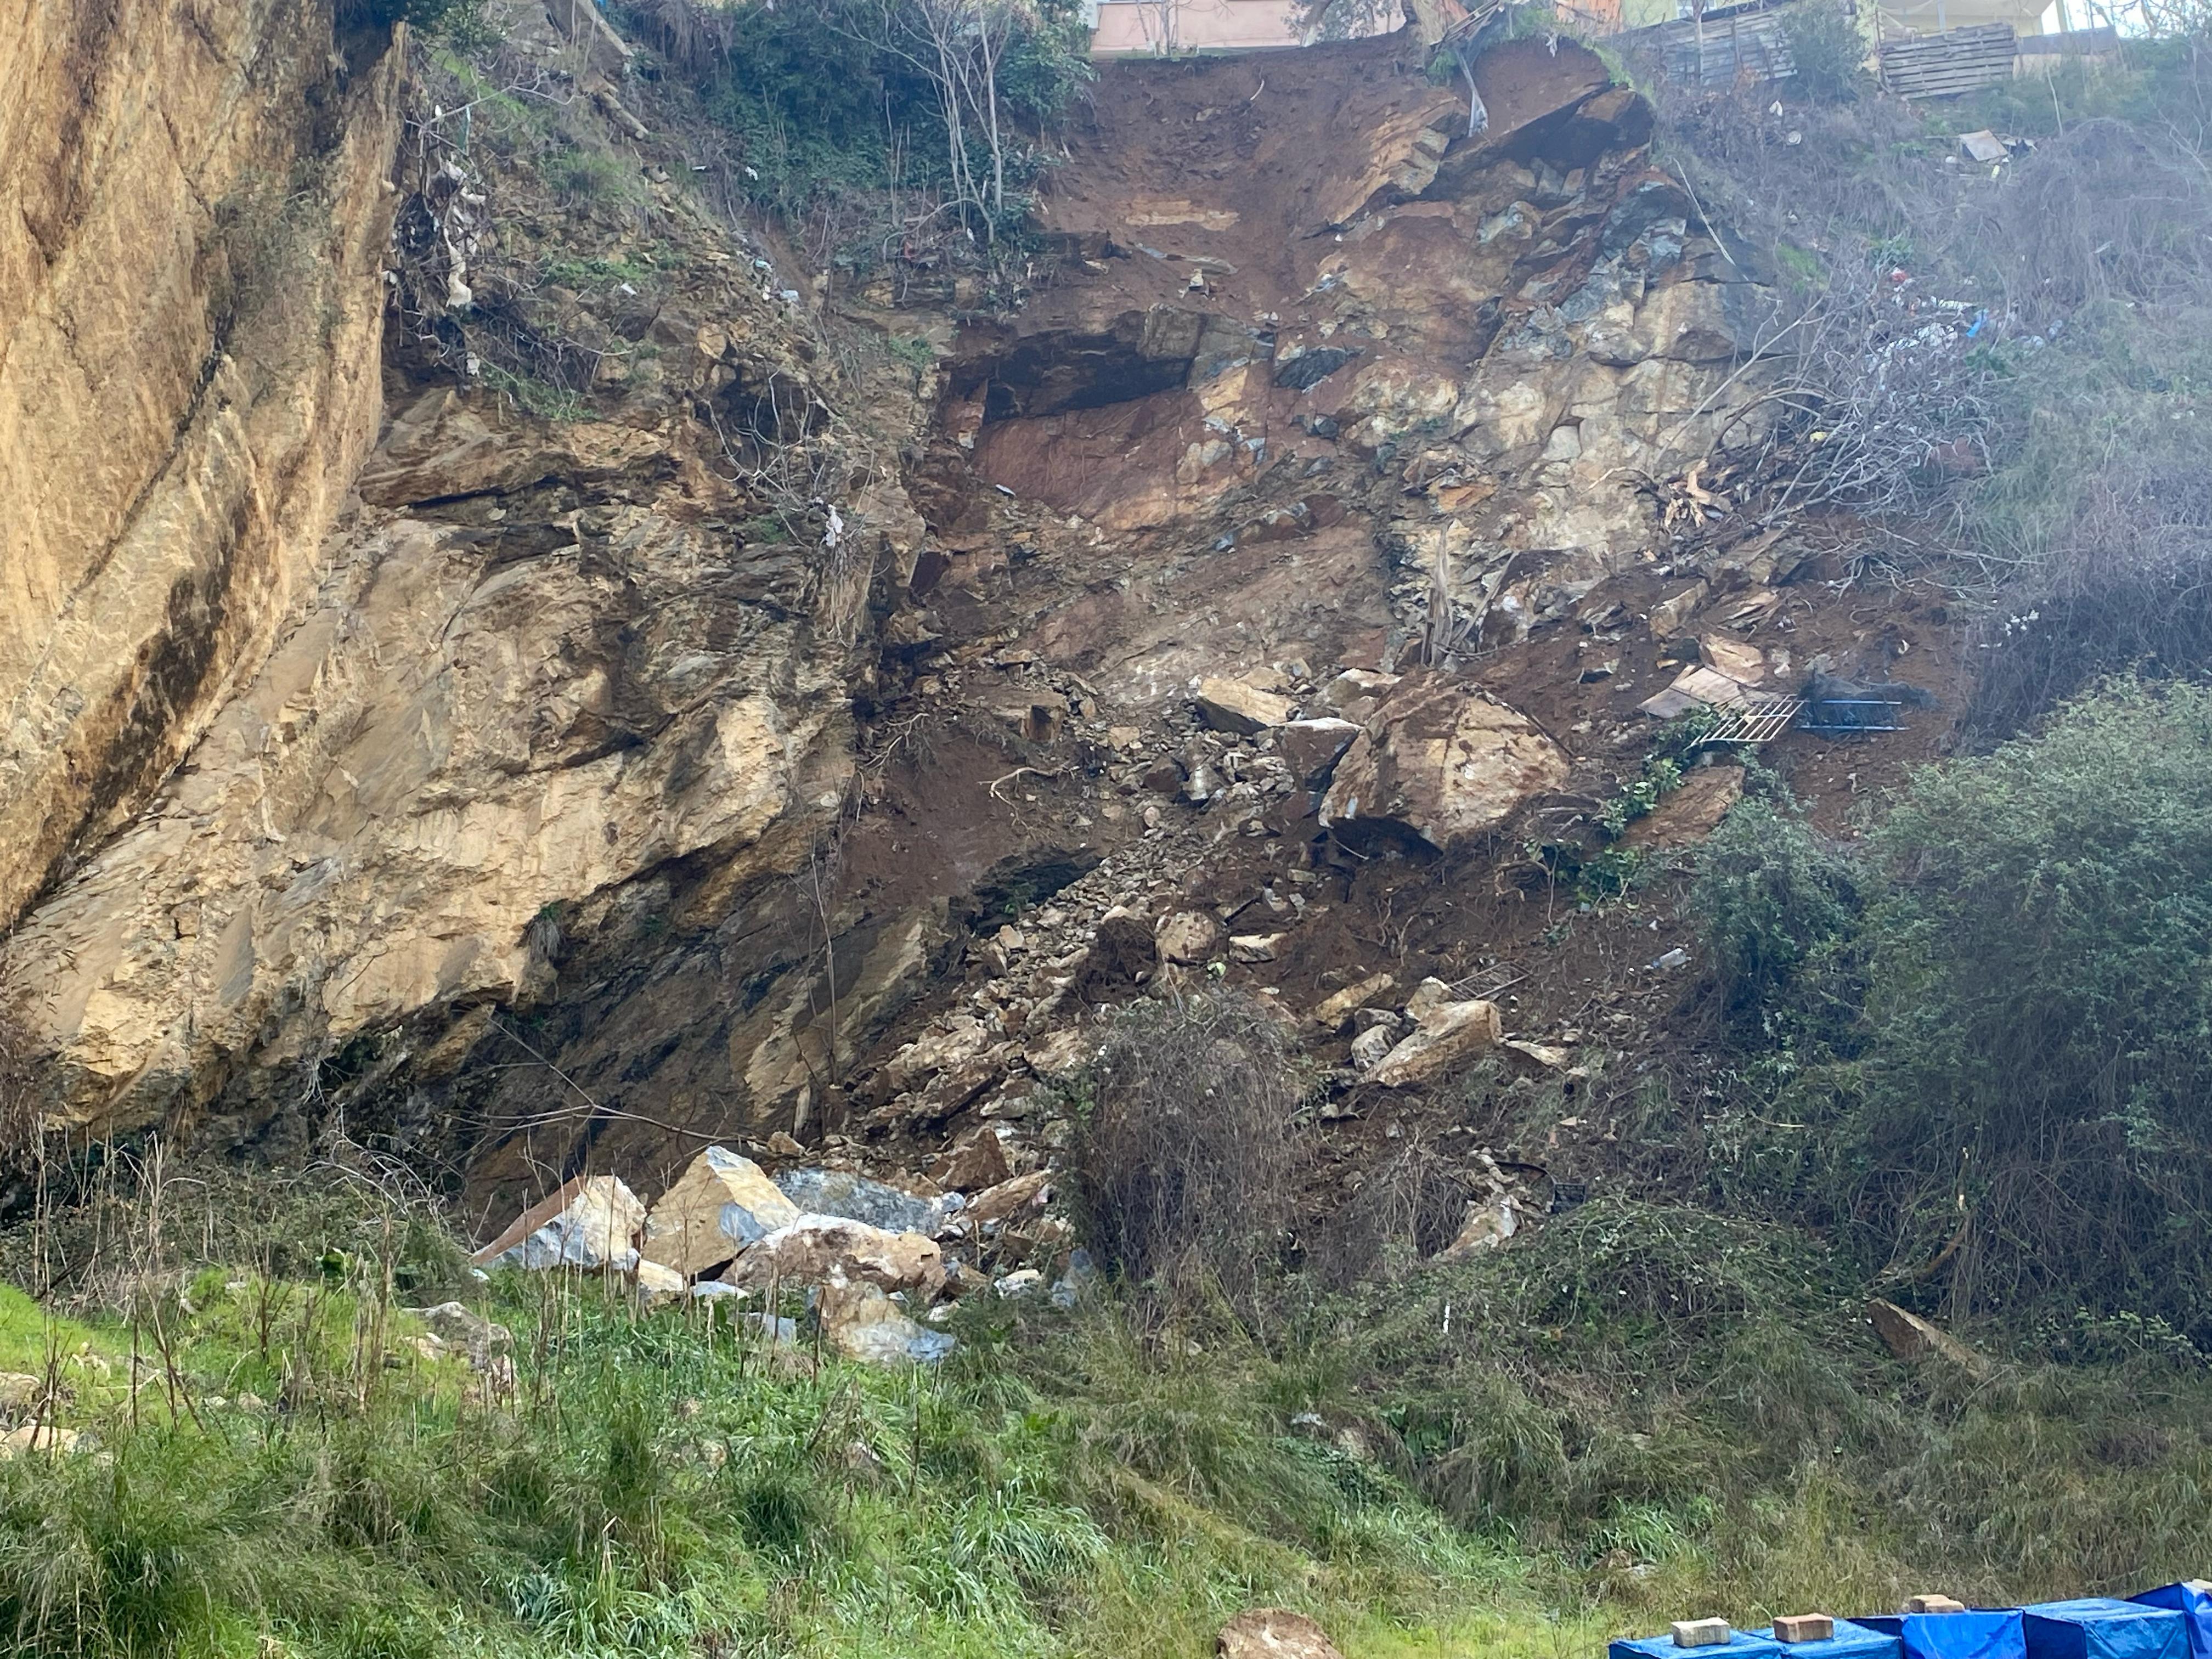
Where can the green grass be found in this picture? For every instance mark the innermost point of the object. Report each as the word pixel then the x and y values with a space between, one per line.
pixel 1636 1412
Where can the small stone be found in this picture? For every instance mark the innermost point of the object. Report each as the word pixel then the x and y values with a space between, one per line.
pixel 1701 1632
pixel 1670 617
pixel 1023 1191
pixel 1253 947
pixel 1933 1604
pixel 1023 1282
pixel 978 1162
pixel 784 1146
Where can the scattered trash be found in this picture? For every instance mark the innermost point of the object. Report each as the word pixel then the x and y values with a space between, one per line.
pixel 1667 960
pixel 1983 146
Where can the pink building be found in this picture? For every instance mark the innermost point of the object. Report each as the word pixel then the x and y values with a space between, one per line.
pixel 1161 28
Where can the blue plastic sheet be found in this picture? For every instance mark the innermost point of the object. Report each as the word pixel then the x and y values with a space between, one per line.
pixel 1850 1641
pixel 1741 1644
pixel 2101 1627
pixel 1975 1634
pixel 2192 1600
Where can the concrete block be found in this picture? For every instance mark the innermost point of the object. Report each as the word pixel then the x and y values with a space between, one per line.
pixel 1701 1632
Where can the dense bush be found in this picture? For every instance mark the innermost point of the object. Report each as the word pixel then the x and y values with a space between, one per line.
pixel 1998 1017
pixel 944 100
pixel 1827 49
pixel 2040 988
pixel 1771 898
pixel 1184 1155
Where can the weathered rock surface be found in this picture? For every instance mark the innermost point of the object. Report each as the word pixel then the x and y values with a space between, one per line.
pixel 190 322
pixel 817 1192
pixel 1446 1033
pixel 591 1222
pixel 723 1203
pixel 816 1248
pixel 1440 764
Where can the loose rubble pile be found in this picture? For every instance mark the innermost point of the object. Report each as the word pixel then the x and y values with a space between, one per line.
pixel 866 1255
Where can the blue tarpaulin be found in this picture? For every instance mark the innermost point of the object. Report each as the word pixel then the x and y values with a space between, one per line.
pixel 1850 1641
pixel 2100 1628
pixel 1740 1645
pixel 2192 1600
pixel 1974 1634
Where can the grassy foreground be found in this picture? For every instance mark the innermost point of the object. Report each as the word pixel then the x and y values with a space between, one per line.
pixel 1639 1413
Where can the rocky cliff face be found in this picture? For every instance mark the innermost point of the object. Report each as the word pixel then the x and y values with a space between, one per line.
pixel 563 810
pixel 190 321
pixel 540 661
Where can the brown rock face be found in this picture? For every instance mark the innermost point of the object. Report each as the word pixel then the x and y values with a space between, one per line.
pixel 189 364
pixel 1439 764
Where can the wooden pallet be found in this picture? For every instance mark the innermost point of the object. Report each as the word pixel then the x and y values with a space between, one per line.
pixel 1756 720
pixel 1714 52
pixel 1947 65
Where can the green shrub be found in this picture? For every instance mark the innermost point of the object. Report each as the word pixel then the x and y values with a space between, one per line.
pixel 1772 900
pixel 1828 50
pixel 2040 987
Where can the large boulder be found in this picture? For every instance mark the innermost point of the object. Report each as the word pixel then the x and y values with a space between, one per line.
pixel 1312 748
pixel 1445 1033
pixel 860 1322
pixel 723 1203
pixel 839 1193
pixel 1239 707
pixel 1188 938
pixel 591 1222
pixel 817 1249
pixel 1438 765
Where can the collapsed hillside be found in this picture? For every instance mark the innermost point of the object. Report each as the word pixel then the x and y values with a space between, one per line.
pixel 1158 733
pixel 580 811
